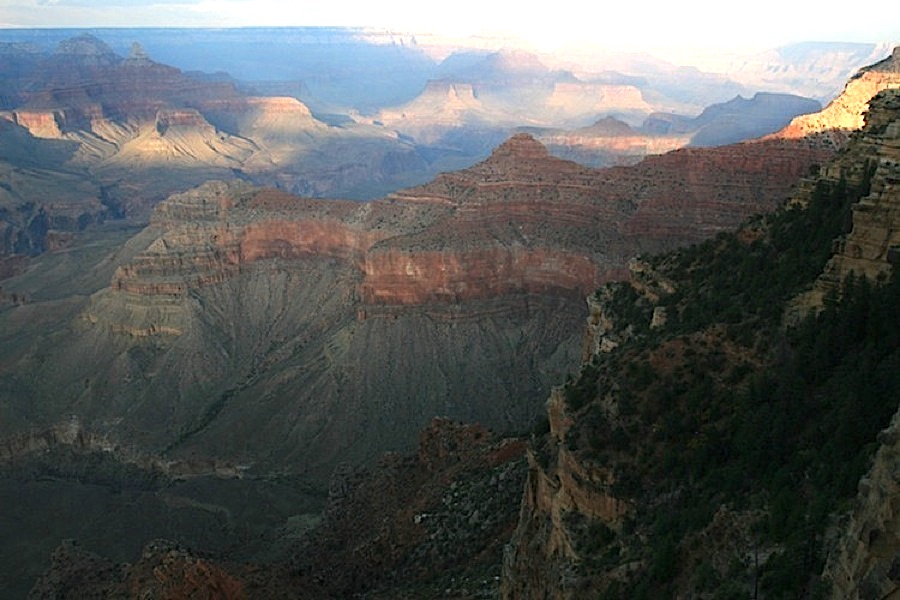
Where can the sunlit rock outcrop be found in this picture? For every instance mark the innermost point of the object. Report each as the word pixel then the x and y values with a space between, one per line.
pixel 846 112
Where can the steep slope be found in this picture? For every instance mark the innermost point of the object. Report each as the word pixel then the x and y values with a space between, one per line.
pixel 864 561
pixel 40 196
pixel 738 119
pixel 427 524
pixel 276 337
pixel 431 524
pixel 705 448
pixel 209 329
pixel 846 112
pixel 139 131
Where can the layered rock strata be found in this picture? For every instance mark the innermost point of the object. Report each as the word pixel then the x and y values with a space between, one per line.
pixel 357 322
pixel 866 560
pixel 520 222
pixel 846 112
pixel 138 131
pixel 871 248
pixel 566 489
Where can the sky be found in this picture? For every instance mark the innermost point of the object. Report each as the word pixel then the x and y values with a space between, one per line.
pixel 548 26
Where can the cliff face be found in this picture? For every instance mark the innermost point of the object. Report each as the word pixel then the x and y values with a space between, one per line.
pixel 407 305
pixel 865 562
pixel 137 131
pixel 846 112
pixel 869 248
pixel 520 222
pixel 597 517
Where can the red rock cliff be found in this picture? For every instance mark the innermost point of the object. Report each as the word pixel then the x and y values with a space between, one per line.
pixel 522 221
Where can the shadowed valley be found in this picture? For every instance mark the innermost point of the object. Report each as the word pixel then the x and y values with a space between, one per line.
pixel 220 359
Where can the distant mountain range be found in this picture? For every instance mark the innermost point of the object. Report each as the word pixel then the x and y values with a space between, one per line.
pixel 229 375
pixel 367 70
pixel 100 119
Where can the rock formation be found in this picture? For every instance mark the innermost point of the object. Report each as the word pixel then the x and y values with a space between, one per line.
pixel 290 336
pixel 866 560
pixel 435 520
pixel 738 119
pixel 164 570
pixel 846 112
pixel 475 257
pixel 585 528
pixel 869 249
pixel 520 222
pixel 432 522
pixel 247 330
pixel 115 123
pixel 609 142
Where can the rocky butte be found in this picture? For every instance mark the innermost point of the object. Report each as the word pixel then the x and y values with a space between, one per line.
pixel 631 492
pixel 278 337
pixel 283 336
pixel 130 131
pixel 630 486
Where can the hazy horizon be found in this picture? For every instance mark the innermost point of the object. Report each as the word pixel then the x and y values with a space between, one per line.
pixel 570 27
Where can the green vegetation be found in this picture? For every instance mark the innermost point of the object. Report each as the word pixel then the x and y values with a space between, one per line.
pixel 746 283
pixel 725 407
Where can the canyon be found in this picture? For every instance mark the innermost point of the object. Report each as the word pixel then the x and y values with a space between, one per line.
pixel 132 131
pixel 244 356
pixel 129 131
pixel 280 337
pixel 515 242
pixel 586 523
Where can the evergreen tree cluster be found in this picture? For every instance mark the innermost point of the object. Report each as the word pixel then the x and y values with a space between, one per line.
pixel 724 405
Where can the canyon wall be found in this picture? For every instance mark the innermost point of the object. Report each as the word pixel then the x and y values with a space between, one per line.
pixel 520 222
pixel 865 562
pixel 579 531
pixel 846 112
pixel 360 321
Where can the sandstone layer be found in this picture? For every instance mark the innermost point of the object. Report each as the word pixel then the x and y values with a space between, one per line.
pixel 580 530
pixel 88 136
pixel 520 222
pixel 356 323
pixel 870 248
pixel 846 112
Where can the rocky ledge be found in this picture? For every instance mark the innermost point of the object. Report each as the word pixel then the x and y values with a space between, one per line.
pixel 846 112
pixel 519 222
